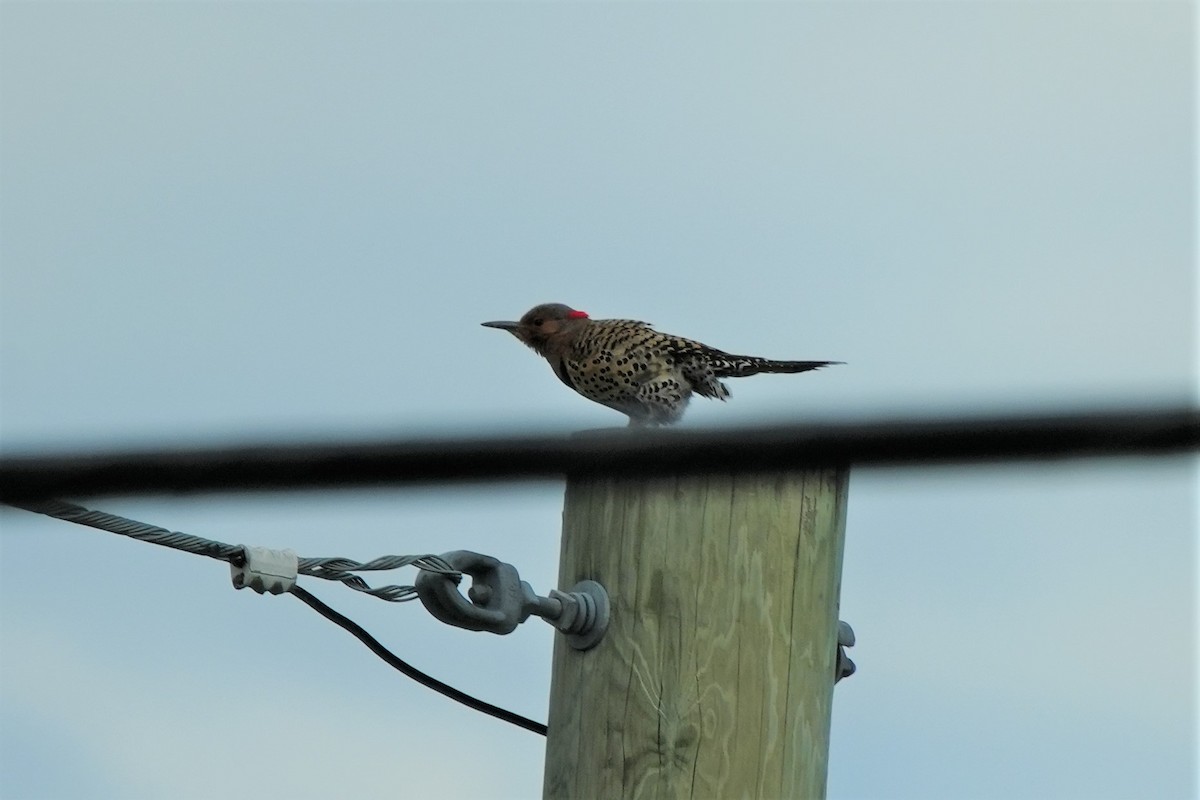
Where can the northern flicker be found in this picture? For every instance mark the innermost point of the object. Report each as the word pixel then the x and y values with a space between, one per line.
pixel 628 366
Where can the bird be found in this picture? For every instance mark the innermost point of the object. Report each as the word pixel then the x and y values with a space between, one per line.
pixel 630 367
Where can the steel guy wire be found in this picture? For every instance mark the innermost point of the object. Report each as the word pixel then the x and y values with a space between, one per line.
pixel 331 569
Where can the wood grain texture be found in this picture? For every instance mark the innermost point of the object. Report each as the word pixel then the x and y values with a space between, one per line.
pixel 716 676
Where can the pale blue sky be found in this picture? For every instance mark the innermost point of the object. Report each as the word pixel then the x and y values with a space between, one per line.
pixel 278 220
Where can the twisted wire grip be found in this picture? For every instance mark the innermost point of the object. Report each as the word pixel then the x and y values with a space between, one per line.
pixel 343 569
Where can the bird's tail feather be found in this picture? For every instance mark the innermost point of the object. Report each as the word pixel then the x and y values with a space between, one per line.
pixel 742 366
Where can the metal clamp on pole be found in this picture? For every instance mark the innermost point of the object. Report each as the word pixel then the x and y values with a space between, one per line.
pixel 499 600
pixel 845 638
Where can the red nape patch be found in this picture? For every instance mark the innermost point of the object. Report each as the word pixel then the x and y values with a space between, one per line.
pixel 577 315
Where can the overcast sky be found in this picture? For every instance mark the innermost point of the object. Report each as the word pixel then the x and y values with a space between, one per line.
pixel 278 221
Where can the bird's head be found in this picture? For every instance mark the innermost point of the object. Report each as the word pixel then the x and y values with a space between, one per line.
pixel 542 324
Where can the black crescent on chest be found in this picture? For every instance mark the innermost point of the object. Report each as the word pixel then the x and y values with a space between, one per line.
pixel 560 369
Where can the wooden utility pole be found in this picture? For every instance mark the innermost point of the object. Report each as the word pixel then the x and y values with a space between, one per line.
pixel 715 678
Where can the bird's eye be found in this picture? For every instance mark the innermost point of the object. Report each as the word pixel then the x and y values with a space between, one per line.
pixel 537 323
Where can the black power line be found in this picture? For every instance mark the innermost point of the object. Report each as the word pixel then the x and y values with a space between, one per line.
pixel 635 452
pixel 412 672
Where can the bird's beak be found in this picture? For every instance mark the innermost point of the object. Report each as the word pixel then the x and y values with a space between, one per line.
pixel 504 326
